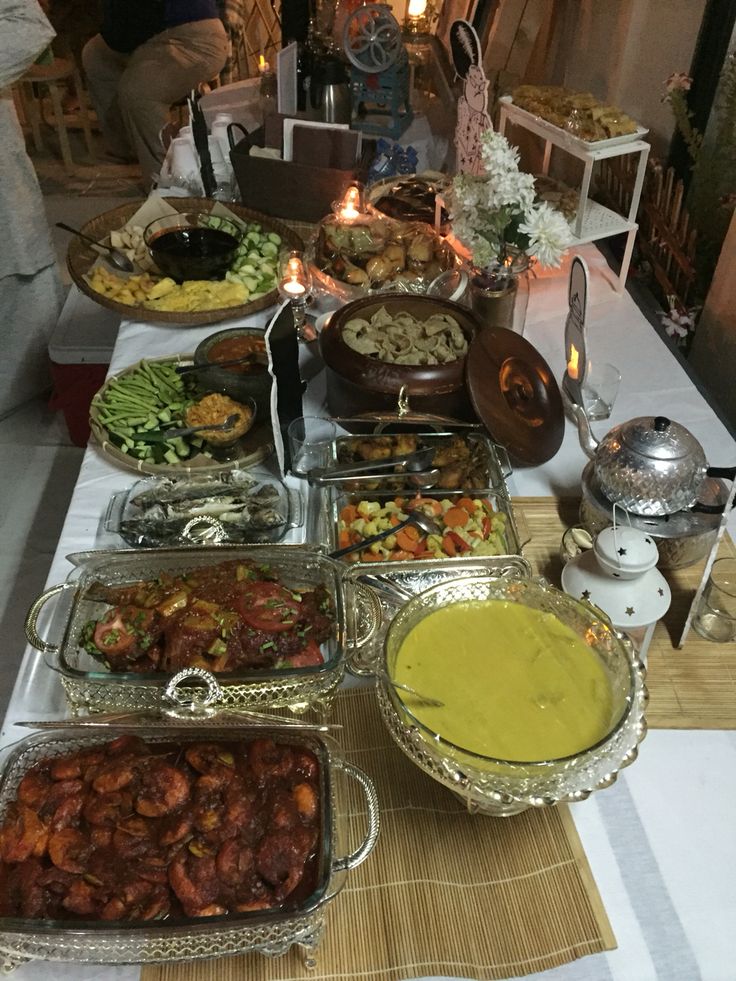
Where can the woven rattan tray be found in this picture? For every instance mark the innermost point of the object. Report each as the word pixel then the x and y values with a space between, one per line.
pixel 252 449
pixel 81 257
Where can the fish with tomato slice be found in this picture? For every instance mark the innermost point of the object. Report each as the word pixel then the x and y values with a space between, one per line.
pixel 223 618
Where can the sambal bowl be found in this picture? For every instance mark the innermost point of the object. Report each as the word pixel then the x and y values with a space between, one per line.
pixel 455 743
pixel 251 379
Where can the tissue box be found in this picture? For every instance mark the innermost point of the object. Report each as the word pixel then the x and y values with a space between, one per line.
pixel 290 190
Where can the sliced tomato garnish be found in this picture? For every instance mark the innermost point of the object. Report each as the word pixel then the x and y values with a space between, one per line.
pixel 311 655
pixel 112 636
pixel 122 627
pixel 268 606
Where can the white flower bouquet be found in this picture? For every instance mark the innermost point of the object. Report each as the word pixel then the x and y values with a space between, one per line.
pixel 494 215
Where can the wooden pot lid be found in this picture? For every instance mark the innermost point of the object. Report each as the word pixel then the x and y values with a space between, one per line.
pixel 515 394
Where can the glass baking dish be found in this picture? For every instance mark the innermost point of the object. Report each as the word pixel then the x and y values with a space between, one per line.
pixel 270 932
pixel 90 687
pixel 236 507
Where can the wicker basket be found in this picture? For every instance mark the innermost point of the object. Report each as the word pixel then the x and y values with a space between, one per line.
pixel 81 257
pixel 251 449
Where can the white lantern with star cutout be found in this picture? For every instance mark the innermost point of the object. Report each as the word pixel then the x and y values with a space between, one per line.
pixel 620 577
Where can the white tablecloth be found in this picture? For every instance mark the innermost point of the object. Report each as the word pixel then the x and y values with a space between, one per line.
pixel 661 841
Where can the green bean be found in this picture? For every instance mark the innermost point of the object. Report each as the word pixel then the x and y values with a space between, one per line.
pixel 137 403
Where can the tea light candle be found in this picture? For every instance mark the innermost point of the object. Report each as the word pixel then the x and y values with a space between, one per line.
pixel 263 65
pixel 294 281
pixel 293 288
pixel 416 16
pixel 352 205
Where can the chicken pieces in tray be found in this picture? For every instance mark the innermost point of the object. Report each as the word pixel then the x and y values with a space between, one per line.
pixel 456 457
pixel 132 831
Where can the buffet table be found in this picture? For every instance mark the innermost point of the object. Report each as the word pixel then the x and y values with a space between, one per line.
pixel 660 842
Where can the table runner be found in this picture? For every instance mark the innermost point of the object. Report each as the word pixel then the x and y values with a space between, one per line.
pixel 444 892
pixel 692 688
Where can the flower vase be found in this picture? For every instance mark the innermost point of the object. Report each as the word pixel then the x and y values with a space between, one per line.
pixel 500 300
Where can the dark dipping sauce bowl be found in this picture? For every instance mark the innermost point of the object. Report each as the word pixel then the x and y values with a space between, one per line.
pixel 184 246
pixel 240 382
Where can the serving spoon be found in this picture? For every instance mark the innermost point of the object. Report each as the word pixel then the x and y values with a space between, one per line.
pixel 116 257
pixel 385 676
pixel 417 518
pixel 184 369
pixel 414 462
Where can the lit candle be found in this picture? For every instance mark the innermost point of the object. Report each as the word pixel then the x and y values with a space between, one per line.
pixel 572 364
pixel 417 8
pixel 294 279
pixel 262 65
pixel 293 287
pixel 351 204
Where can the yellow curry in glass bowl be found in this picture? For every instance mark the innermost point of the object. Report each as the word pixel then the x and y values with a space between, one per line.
pixel 542 701
pixel 516 683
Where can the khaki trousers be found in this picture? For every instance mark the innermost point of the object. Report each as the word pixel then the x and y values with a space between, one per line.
pixel 132 94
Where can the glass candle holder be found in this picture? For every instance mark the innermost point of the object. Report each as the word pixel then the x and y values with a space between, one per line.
pixel 295 285
pixel 600 388
pixel 352 205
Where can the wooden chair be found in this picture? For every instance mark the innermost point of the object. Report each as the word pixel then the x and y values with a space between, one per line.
pixel 55 78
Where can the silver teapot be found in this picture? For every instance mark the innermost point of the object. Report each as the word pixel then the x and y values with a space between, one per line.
pixel 650 465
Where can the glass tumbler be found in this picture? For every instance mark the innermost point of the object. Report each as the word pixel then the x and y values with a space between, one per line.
pixel 310 442
pixel 600 388
pixel 715 617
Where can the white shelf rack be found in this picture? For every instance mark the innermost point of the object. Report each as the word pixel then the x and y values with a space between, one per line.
pixel 593 220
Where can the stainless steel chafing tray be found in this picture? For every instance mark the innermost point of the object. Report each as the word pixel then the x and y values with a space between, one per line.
pixel 490 461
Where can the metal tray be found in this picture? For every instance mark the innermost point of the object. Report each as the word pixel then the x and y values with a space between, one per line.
pixel 325 504
pixel 270 932
pixel 90 687
pixel 198 524
pixel 492 460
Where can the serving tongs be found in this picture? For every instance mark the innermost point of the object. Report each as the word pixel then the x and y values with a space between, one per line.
pixel 416 465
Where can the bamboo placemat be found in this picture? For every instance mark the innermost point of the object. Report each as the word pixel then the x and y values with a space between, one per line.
pixel 692 688
pixel 444 892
